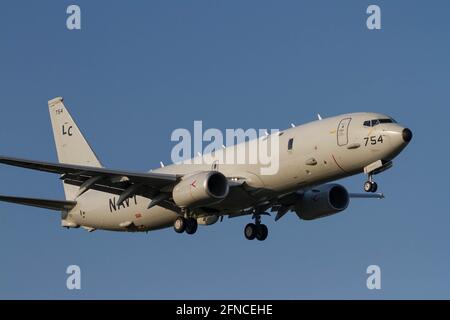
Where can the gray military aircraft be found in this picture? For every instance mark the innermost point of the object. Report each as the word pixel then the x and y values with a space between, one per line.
pixel 185 195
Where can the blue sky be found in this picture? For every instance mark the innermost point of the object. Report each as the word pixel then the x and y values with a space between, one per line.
pixel 140 69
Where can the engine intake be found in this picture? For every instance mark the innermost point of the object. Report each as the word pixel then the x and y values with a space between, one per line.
pixel 200 189
pixel 322 201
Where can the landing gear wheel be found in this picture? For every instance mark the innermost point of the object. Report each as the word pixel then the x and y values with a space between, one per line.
pixel 191 226
pixel 250 231
pixel 262 232
pixel 368 186
pixel 179 225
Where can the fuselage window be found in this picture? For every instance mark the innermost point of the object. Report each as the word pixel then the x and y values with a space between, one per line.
pixel 290 144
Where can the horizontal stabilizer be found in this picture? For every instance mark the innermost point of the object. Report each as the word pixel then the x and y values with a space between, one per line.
pixel 58 205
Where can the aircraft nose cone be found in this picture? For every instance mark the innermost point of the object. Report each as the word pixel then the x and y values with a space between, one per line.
pixel 407 135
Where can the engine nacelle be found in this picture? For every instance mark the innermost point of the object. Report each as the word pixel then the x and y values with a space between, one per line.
pixel 322 201
pixel 200 189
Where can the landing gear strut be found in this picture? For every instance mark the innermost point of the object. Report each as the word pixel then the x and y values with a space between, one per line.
pixel 370 185
pixel 188 225
pixel 256 230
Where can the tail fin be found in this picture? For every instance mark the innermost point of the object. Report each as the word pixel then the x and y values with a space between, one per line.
pixel 71 146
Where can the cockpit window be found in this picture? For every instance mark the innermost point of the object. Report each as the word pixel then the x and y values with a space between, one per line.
pixel 386 121
pixel 373 123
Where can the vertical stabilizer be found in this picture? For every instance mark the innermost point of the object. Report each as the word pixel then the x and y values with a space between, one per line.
pixel 71 146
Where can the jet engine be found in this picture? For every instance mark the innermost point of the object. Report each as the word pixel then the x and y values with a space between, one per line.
pixel 322 201
pixel 200 189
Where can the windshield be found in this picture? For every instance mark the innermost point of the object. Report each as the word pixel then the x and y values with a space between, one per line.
pixel 372 123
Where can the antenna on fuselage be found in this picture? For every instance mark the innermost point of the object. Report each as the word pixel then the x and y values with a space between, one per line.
pixel 319 116
pixel 292 125
pixel 162 164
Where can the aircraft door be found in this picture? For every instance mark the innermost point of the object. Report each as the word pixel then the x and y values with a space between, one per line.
pixel 342 131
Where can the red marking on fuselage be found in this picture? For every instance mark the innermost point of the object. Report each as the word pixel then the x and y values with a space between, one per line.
pixel 193 183
pixel 338 164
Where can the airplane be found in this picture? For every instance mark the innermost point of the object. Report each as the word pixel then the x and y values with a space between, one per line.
pixel 311 157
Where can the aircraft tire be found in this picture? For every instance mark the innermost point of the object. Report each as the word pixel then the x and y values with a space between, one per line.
pixel 250 231
pixel 180 225
pixel 262 232
pixel 368 186
pixel 191 226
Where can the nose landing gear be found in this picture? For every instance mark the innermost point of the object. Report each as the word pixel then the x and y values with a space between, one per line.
pixel 372 169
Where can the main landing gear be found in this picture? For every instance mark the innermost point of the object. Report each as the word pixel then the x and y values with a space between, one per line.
pixel 256 230
pixel 188 225
pixel 370 185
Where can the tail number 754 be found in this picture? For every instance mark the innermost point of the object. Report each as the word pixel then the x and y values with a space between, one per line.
pixel 373 140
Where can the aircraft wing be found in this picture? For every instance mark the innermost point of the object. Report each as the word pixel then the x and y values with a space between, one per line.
pixel 286 202
pixel 156 179
pixel 124 183
pixel 58 205
pixel 367 195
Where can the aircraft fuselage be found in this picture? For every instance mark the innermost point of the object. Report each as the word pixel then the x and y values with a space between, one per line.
pixel 320 151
